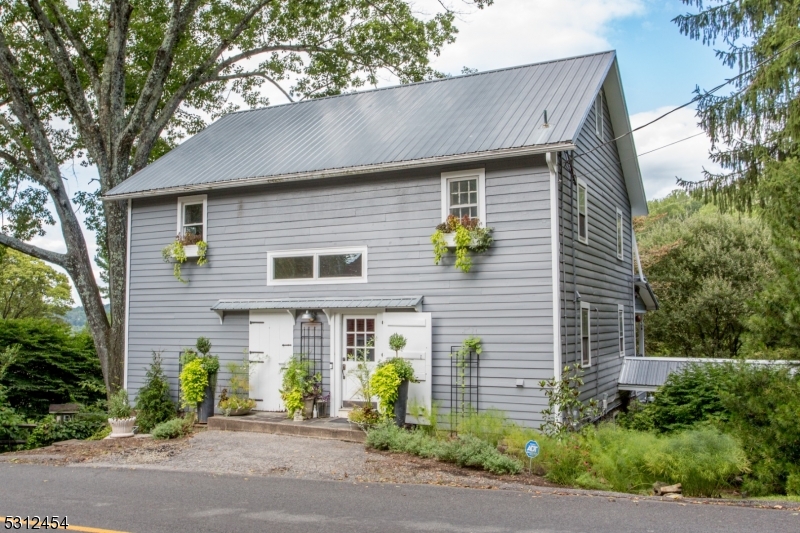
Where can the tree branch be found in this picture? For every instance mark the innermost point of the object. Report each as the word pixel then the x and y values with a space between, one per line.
pixel 34 251
pixel 19 165
pixel 252 74
pixel 86 57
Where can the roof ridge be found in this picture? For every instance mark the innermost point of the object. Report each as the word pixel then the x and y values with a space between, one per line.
pixel 424 82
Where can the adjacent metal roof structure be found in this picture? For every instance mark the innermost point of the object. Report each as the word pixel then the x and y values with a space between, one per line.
pixel 649 373
pixel 464 118
pixel 393 302
pixel 645 292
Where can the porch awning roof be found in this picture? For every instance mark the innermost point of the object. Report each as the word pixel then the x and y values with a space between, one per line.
pixel 393 302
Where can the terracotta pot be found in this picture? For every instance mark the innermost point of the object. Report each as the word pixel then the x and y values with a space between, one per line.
pixel 121 427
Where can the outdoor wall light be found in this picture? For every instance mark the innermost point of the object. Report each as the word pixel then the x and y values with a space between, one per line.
pixel 310 316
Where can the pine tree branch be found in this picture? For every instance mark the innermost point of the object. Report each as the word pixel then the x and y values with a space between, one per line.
pixel 34 251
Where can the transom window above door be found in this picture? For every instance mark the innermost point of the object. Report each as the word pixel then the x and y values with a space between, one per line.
pixel 464 194
pixel 331 265
pixel 192 217
pixel 360 339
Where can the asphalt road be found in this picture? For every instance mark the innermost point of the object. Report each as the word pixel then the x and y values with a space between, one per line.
pixel 152 501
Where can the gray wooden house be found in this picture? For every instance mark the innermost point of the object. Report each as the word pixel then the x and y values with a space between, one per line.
pixel 318 217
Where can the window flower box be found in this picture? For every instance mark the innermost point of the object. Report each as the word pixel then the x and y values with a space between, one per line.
pixel 191 251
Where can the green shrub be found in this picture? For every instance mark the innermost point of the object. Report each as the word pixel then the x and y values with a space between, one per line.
pixel 703 460
pixel 153 403
pixel 384 383
pixel 194 381
pixel 793 484
pixel 101 433
pixel 119 406
pixel 465 450
pixel 82 426
pixel 172 429
pixel 54 365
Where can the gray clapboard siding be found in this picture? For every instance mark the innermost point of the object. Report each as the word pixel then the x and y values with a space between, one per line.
pixel 506 299
pixel 602 279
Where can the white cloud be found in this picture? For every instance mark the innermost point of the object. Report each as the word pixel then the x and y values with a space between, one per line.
pixel 684 160
pixel 517 32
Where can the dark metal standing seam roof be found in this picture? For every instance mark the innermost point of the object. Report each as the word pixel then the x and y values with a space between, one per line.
pixel 472 114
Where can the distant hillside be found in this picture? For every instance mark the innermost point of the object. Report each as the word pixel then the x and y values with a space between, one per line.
pixel 76 317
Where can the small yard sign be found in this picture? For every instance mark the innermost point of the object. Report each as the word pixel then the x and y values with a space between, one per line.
pixel 532 449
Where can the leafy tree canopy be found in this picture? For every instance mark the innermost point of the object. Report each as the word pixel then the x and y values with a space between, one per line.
pixel 29 288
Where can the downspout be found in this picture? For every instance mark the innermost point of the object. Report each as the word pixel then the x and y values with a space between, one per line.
pixel 563 260
pixel 552 164
pixel 640 325
pixel 127 295
pixel 597 337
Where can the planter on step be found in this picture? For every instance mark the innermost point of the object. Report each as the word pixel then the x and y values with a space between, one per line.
pixel 205 409
pixel 308 407
pixel 400 404
pixel 121 427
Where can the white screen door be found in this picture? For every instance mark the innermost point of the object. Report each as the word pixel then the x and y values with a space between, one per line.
pixel 271 337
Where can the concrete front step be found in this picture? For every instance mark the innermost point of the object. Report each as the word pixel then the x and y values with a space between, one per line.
pixel 316 428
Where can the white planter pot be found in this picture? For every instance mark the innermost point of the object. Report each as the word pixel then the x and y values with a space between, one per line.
pixel 450 240
pixel 191 250
pixel 121 427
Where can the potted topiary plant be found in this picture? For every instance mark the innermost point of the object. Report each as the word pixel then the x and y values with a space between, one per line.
pixel 198 379
pixel 120 415
pixel 390 382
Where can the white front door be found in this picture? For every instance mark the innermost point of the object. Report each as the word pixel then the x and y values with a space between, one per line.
pixel 416 328
pixel 359 348
pixel 271 337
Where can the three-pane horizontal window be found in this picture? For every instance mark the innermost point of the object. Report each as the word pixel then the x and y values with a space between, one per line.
pixel 317 266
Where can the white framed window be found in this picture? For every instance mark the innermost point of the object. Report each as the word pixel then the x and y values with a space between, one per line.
pixel 586 335
pixel 619 235
pixel 318 266
pixel 359 339
pixel 192 217
pixel 621 326
pixel 583 212
pixel 598 115
pixel 464 193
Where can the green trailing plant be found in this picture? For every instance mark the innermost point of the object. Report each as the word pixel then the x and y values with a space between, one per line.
pixel 119 406
pixel 469 346
pixel 173 429
pixel 194 380
pixel 175 252
pixel 403 368
pixel 566 413
pixel 299 384
pixel 153 402
pixel 385 383
pixel 469 238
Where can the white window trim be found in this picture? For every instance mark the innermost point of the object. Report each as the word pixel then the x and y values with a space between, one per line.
pixel 581 183
pixel 189 200
pixel 621 328
pixel 462 174
pixel 316 280
pixel 620 233
pixel 586 305
pixel 599 118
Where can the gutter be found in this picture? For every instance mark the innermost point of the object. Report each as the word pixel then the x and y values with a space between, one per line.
pixel 349 171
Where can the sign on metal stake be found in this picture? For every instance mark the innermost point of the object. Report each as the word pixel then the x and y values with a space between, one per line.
pixel 531 450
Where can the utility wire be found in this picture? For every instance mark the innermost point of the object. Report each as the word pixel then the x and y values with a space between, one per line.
pixel 670 144
pixel 696 98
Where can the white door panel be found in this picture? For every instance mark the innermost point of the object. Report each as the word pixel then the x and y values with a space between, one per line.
pixel 271 338
pixel 416 327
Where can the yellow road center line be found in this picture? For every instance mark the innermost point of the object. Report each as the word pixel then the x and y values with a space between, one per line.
pixel 84 529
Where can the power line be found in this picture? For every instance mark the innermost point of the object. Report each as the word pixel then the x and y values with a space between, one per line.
pixel 695 99
pixel 670 144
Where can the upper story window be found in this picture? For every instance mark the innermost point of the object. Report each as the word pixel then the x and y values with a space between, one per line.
pixel 621 325
pixel 598 115
pixel 619 234
pixel 464 193
pixel 583 212
pixel 192 217
pixel 331 265
pixel 586 344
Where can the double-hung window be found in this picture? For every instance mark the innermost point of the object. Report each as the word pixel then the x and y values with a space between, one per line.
pixel 619 234
pixel 583 212
pixel 464 194
pixel 621 325
pixel 192 218
pixel 328 265
pixel 586 344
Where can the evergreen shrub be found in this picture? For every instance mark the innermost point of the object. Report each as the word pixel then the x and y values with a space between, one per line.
pixel 172 429
pixel 153 403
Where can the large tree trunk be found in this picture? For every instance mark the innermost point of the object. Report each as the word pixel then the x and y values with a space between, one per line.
pixel 117 241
